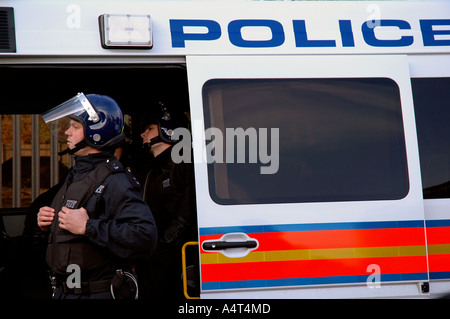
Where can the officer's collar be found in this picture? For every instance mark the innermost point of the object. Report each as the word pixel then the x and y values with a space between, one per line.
pixel 164 155
pixel 90 161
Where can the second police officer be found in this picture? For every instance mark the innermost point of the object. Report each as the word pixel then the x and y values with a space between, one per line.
pixel 169 190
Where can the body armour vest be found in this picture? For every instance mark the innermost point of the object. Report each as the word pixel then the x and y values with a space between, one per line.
pixel 65 248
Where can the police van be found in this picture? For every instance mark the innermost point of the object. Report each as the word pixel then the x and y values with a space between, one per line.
pixel 320 134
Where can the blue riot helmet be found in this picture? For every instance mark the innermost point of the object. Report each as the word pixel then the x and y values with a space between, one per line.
pixel 167 122
pixel 100 115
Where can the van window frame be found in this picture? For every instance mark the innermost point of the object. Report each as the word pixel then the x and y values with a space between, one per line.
pixel 219 186
pixel 430 99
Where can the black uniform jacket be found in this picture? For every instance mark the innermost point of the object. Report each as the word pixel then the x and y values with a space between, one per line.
pixel 120 225
pixel 170 192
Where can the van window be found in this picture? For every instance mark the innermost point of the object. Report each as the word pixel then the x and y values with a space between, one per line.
pixel 432 109
pixel 337 140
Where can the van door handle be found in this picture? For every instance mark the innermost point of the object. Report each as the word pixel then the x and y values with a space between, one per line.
pixel 232 245
pixel 220 245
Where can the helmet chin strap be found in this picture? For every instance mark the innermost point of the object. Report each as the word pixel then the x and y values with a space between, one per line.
pixel 153 141
pixel 78 146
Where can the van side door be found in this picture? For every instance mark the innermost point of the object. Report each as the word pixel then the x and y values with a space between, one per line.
pixel 307 177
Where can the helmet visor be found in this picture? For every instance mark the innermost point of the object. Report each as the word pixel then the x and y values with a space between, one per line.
pixel 78 108
pixel 75 106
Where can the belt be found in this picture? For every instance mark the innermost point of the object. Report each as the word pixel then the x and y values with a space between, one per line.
pixel 88 287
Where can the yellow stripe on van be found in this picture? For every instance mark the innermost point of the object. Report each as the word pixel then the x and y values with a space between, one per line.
pixel 314 254
pixel 439 249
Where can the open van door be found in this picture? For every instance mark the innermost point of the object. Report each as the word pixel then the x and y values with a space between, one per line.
pixel 307 177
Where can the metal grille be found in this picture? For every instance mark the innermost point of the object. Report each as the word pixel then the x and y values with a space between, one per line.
pixel 7 31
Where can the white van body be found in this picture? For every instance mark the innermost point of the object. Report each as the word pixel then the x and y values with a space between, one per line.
pixel 383 240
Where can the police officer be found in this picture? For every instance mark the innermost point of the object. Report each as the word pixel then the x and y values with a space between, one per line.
pixel 98 223
pixel 169 191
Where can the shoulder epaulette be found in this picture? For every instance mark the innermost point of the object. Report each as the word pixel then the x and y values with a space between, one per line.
pixel 114 165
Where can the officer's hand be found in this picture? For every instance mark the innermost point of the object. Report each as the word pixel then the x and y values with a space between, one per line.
pixel 45 217
pixel 73 220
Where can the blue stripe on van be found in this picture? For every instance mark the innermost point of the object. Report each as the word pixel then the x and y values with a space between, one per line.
pixel 310 281
pixel 312 227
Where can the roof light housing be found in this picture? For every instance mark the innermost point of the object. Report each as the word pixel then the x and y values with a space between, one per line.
pixel 126 31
